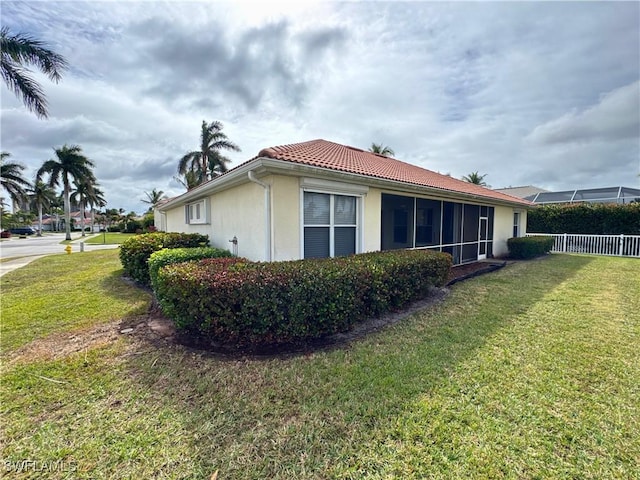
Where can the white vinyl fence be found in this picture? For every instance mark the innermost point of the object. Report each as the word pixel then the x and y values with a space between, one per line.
pixel 616 245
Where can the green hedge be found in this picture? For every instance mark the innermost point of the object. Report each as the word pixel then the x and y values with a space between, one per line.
pixel 238 304
pixel 135 251
pixel 585 218
pixel 167 256
pixel 529 247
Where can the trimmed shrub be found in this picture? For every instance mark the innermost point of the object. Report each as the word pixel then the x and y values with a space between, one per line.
pixel 135 251
pixel 245 305
pixel 586 218
pixel 167 256
pixel 529 247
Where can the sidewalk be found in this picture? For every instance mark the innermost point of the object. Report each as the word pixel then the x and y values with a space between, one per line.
pixel 11 265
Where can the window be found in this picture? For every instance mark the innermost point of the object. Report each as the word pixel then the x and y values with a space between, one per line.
pixel 516 224
pixel 196 213
pixel 330 225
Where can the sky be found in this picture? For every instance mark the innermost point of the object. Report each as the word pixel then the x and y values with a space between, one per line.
pixel 536 93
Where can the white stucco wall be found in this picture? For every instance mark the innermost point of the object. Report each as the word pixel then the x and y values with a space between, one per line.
pixel 285 209
pixel 239 212
pixel 503 228
pixel 372 220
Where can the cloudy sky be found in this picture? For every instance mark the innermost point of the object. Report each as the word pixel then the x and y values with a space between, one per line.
pixel 544 94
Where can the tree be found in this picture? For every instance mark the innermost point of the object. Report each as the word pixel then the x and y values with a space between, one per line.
pixel 41 196
pixel 20 50
pixel 208 162
pixel 380 149
pixel 12 180
pixel 153 198
pixel 96 199
pixel 112 215
pixel 475 178
pixel 71 165
pixel 83 192
pixel 189 180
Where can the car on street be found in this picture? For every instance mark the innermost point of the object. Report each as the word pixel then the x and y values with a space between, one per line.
pixel 22 231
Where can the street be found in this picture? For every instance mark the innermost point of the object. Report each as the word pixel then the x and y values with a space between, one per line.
pixel 24 250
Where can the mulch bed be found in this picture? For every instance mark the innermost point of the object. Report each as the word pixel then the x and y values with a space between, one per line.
pixel 470 270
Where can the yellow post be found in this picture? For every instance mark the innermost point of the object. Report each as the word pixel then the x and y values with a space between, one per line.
pixel 68 249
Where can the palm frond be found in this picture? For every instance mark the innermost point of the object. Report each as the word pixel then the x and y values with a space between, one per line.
pixel 25 49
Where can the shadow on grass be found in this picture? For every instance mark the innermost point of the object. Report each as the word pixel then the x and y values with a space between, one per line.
pixel 309 415
pixel 116 285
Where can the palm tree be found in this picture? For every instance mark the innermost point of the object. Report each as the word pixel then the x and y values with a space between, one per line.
pixel 70 165
pixel 41 195
pixel 12 180
pixel 20 50
pixel 189 180
pixel 81 195
pixel 475 178
pixel 383 150
pixel 153 198
pixel 208 162
pixel 95 199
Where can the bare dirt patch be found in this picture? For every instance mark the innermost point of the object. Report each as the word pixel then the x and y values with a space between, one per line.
pixel 152 327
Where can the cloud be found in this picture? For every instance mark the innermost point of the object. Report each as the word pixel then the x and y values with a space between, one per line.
pixel 210 65
pixel 530 93
pixel 616 116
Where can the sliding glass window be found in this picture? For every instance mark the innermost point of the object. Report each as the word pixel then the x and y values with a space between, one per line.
pixel 330 225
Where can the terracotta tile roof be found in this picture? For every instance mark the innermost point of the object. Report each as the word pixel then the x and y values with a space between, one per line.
pixel 325 154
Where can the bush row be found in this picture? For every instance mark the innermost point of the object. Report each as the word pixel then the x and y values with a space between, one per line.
pixel 245 305
pixel 585 218
pixel 135 251
pixel 529 247
pixel 168 256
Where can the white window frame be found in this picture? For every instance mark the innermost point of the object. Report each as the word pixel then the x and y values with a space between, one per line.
pixel 197 213
pixel 517 221
pixel 331 225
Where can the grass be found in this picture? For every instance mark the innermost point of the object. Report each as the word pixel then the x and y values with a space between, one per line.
pixel 109 238
pixel 65 292
pixel 529 372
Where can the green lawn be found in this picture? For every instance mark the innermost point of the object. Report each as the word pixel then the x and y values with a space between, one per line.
pixel 529 372
pixel 65 292
pixel 109 238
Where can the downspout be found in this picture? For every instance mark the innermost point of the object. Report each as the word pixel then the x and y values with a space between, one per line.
pixel 267 216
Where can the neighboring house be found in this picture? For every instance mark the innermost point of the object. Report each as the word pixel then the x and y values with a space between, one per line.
pixel 521 192
pixel 49 222
pixel 587 195
pixel 321 199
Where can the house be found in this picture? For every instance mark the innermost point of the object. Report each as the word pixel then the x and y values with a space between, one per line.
pixel 52 223
pixel 616 194
pixel 525 191
pixel 320 199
